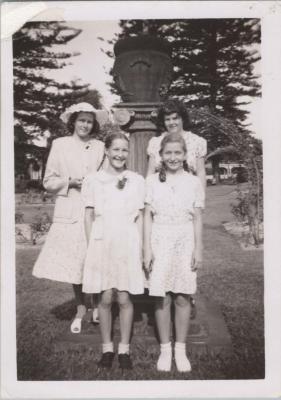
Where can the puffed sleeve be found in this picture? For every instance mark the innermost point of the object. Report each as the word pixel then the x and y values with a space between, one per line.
pixel 199 200
pixel 54 181
pixel 87 191
pixel 151 147
pixel 201 150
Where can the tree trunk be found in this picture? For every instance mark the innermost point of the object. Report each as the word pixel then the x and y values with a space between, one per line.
pixel 215 167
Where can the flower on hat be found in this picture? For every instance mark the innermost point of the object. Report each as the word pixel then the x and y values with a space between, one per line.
pixel 101 115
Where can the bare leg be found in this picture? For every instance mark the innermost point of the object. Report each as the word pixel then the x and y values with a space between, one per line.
pixel 79 295
pixel 94 304
pixel 163 317
pixel 81 309
pixel 126 316
pixel 182 316
pixel 79 300
pixel 105 315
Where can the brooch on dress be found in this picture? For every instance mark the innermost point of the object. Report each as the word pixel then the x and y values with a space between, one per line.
pixel 121 182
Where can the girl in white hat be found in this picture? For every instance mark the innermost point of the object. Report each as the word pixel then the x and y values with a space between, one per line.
pixel 70 159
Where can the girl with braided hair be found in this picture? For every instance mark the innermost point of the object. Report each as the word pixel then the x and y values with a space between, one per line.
pixel 173 245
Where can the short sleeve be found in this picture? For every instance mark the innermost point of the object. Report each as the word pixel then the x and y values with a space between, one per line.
pixel 151 147
pixel 201 147
pixel 199 200
pixel 87 191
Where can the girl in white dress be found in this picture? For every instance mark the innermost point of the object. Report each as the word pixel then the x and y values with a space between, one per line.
pixel 172 117
pixel 114 199
pixel 71 158
pixel 173 245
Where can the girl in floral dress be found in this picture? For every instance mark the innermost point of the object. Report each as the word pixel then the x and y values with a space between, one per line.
pixel 71 158
pixel 114 199
pixel 173 245
pixel 172 117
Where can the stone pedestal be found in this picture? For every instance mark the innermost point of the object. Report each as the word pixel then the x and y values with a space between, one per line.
pixel 140 128
pixel 208 332
pixel 142 74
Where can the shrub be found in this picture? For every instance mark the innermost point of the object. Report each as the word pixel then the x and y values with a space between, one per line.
pixel 41 226
pixel 19 217
pixel 246 210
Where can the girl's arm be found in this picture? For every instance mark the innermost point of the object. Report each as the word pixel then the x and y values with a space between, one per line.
pixel 88 221
pixel 54 181
pixel 139 223
pixel 201 172
pixel 198 248
pixel 151 165
pixel 148 256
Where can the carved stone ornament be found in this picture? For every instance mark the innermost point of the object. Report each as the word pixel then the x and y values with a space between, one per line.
pixel 122 116
pixel 143 69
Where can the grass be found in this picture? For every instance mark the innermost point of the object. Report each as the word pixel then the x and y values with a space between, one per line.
pixel 233 278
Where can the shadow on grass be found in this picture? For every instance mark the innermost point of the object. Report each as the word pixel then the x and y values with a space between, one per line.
pixel 64 311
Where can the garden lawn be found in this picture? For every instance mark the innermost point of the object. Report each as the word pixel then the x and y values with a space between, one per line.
pixel 231 277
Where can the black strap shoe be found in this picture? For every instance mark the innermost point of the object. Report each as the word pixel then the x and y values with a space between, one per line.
pixel 106 360
pixel 125 361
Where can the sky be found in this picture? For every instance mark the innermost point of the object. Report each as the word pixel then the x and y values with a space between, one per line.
pixel 93 65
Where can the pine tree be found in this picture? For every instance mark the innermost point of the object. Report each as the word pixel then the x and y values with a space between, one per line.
pixel 38 100
pixel 213 66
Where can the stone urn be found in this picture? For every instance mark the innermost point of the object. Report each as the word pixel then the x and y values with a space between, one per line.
pixel 142 74
pixel 142 68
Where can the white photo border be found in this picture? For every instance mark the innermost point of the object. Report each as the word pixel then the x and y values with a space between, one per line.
pixel 270 15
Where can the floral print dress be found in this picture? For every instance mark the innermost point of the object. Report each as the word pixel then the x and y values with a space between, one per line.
pixel 172 237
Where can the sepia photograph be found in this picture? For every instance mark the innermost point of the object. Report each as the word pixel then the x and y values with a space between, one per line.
pixel 137 226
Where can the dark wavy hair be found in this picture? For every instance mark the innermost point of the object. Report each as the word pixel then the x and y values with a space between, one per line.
pixel 172 106
pixel 112 136
pixel 72 119
pixel 171 138
pixel 108 142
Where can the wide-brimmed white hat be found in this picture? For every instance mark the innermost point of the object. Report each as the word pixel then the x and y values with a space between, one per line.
pixel 101 115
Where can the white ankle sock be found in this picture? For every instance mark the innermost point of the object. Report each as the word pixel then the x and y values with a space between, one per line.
pixel 165 359
pixel 123 348
pixel 107 347
pixel 182 362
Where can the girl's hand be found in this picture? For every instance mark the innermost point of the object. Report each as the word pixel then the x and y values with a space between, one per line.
pixel 147 263
pixel 75 183
pixel 197 260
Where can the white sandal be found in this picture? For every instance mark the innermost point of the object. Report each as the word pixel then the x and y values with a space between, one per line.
pixel 75 327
